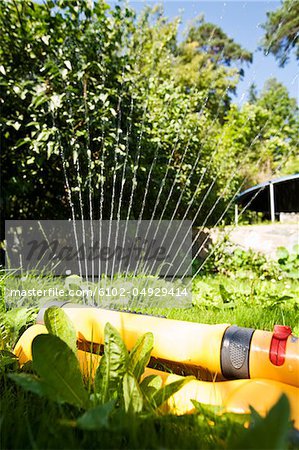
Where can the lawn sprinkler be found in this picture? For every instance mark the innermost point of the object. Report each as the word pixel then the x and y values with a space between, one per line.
pixel 227 350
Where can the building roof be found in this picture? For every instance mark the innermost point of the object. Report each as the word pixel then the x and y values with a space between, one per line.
pixel 286 195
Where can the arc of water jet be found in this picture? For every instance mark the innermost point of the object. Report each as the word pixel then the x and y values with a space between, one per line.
pixel 136 165
pixel 171 220
pixel 212 155
pixel 160 191
pixel 69 192
pixel 143 202
pixel 101 192
pixel 200 180
pixel 78 174
pixel 102 178
pixel 189 177
pixel 276 33
pixel 160 194
pixel 47 240
pixel 164 178
pixel 163 182
pixel 260 131
pixel 134 178
pixel 217 201
pixel 169 195
pixel 200 113
pixel 226 186
pixel 114 170
pixel 129 128
pixel 197 159
pixel 90 190
pixel 136 161
pixel 123 178
pixel 242 211
pixel 77 165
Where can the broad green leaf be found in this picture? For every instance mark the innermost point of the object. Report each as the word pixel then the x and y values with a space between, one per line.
pixel 133 398
pixel 34 384
pixel 113 364
pixel 163 394
pixel 31 383
pixel 140 354
pixel 270 432
pixel 59 370
pixel 150 385
pixel 96 418
pixel 58 323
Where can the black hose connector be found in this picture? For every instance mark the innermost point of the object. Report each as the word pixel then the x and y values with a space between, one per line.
pixel 235 349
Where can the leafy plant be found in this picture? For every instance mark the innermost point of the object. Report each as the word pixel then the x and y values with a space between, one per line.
pixel 289 262
pixel 270 432
pixel 12 323
pixel 235 262
pixel 86 84
pixel 58 323
pixel 117 386
pixel 8 360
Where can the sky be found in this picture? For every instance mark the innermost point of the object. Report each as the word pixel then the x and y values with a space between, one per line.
pixel 242 21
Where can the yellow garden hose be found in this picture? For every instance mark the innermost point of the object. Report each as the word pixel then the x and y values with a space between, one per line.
pixel 232 396
pixel 234 352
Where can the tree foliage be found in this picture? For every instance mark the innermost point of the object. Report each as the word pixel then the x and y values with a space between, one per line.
pixel 282 31
pixel 212 41
pixel 105 115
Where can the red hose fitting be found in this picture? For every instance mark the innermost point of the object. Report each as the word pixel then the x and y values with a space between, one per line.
pixel 279 343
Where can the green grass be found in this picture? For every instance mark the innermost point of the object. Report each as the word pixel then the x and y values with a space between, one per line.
pixel 250 303
pixel 34 423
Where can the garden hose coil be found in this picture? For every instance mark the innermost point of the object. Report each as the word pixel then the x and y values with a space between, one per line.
pixel 231 351
pixel 235 396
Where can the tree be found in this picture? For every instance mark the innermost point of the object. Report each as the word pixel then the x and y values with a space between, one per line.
pixel 282 31
pixel 61 72
pixel 104 112
pixel 214 42
pixel 211 61
pixel 261 137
